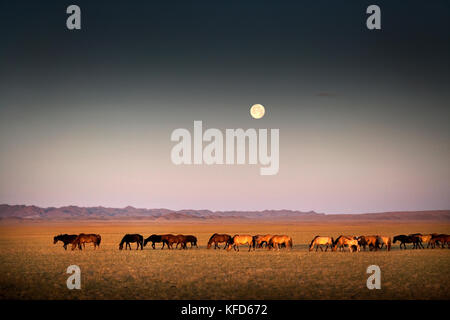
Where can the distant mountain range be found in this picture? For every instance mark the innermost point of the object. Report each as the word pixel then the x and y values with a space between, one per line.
pixel 23 213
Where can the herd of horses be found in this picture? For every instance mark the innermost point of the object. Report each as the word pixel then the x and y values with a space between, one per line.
pixel 268 241
pixel 355 243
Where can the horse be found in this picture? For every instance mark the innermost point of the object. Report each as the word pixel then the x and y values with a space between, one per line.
pixel 386 241
pixel 418 236
pixel 218 238
pixel 349 241
pixel 154 238
pixel 371 241
pixel 404 239
pixel 181 239
pixel 318 241
pixel 83 238
pixel 132 238
pixel 65 239
pixel 260 240
pixel 279 240
pixel 432 242
pixel 192 240
pixel 441 238
pixel 239 240
pixel 169 240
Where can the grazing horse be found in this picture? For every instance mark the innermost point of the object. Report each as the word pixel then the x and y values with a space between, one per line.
pixel 154 238
pixel 192 240
pixel 129 238
pixel 83 238
pixel 371 241
pixel 386 241
pixel 280 240
pixel 169 240
pixel 319 241
pixel 218 238
pixel 181 239
pixel 404 239
pixel 349 241
pixel 260 240
pixel 65 239
pixel 239 240
pixel 444 239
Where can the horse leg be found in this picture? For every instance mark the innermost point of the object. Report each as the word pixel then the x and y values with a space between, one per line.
pixel 320 246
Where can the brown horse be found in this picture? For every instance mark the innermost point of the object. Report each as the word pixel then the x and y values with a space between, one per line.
pixel 169 240
pixel 65 239
pixel 443 239
pixel 181 239
pixel 218 238
pixel 130 238
pixel 260 240
pixel 386 241
pixel 349 241
pixel 319 241
pixel 280 240
pixel 371 241
pixel 240 240
pixel 83 238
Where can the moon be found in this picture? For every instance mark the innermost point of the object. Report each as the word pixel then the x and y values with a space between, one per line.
pixel 257 111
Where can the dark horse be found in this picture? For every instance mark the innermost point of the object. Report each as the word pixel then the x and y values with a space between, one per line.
pixel 154 238
pixel 218 238
pixel 404 239
pixel 192 240
pixel 166 239
pixel 83 238
pixel 132 238
pixel 65 238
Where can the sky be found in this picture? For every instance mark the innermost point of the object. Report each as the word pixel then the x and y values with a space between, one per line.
pixel 363 116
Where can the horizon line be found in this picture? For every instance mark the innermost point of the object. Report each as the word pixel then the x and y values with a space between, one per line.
pixel 233 210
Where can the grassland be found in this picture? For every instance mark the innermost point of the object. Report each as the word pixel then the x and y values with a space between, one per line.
pixel 32 267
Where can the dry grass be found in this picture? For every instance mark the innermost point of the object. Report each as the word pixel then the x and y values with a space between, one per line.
pixel 31 267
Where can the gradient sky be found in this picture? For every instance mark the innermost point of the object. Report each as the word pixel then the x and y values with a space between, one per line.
pixel 86 116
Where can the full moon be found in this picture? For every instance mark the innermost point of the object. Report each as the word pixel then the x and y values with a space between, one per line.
pixel 257 111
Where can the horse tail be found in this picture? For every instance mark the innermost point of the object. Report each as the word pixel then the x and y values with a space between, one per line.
pixel 99 239
pixel 291 243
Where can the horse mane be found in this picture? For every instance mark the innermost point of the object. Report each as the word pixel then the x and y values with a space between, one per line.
pixel 210 239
